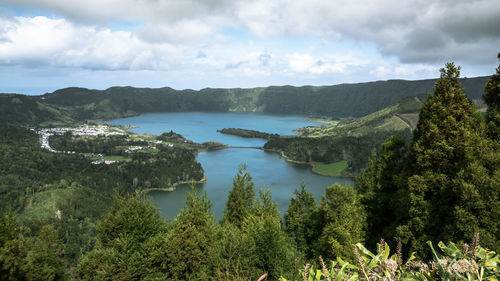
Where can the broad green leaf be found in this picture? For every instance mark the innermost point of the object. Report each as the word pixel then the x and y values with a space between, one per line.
pixel 412 257
pixel 451 250
pixel 353 277
pixel 341 273
pixel 387 252
pixel 319 274
pixel 365 250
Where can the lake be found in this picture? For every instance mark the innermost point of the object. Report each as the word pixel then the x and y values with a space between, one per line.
pixel 268 169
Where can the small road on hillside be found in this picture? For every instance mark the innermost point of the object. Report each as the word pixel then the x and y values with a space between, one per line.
pixel 404 121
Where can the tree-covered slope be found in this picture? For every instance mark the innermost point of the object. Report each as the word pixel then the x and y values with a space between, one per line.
pixel 26 110
pixel 334 101
pixel 353 141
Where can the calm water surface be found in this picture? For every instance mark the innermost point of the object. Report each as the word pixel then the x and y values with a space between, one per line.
pixel 268 170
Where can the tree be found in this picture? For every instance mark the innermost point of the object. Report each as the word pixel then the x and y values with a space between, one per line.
pixel 186 252
pixel 271 251
pixel 451 193
pixel 43 261
pixel 442 141
pixel 382 189
pixel 344 219
pixel 13 249
pixel 240 199
pixel 124 234
pixel 133 216
pixel 492 99
pixel 299 219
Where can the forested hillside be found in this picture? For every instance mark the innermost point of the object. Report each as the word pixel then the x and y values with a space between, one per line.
pixel 336 101
pixel 30 111
pixel 353 141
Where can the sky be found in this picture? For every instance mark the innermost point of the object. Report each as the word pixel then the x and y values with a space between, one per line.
pixel 46 45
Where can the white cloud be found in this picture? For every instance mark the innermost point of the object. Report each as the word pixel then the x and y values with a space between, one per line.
pixel 413 31
pixel 43 41
pixel 306 63
pixel 245 43
pixel 183 32
pixel 301 62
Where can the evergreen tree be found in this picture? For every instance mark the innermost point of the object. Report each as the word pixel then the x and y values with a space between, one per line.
pixel 187 251
pixel 43 261
pixel 270 249
pixel 442 141
pixel 344 219
pixel 382 187
pixel 13 249
pixel 133 216
pixel 123 235
pixel 258 246
pixel 450 192
pixel 234 256
pixel 240 199
pixel 492 99
pixel 299 219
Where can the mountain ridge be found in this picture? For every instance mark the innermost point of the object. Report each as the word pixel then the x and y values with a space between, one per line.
pixel 334 101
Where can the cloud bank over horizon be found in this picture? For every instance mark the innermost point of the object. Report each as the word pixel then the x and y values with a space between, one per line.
pixel 50 44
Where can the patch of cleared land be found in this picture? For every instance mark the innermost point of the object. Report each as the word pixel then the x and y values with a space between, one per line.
pixel 332 170
pixel 116 158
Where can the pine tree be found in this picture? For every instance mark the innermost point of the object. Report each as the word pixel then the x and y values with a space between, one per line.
pixel 240 199
pixel 382 188
pixel 43 261
pixel 134 216
pixel 13 249
pixel 124 234
pixel 450 192
pixel 344 219
pixel 492 99
pixel 442 141
pixel 187 251
pixel 270 250
pixel 299 219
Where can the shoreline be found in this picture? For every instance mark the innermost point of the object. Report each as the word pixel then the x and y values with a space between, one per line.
pixel 310 164
pixel 173 186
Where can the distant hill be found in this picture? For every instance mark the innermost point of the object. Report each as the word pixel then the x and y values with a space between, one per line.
pixel 336 101
pixel 30 111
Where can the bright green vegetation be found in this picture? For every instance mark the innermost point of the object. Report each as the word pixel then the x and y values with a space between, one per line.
pixel 43 205
pixel 440 185
pixel 322 120
pixel 117 158
pixel 245 133
pixel 396 118
pixel 452 264
pixel 332 170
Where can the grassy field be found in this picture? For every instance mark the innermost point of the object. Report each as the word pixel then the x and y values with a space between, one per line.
pixel 43 205
pixel 332 170
pixel 322 120
pixel 117 158
pixel 396 118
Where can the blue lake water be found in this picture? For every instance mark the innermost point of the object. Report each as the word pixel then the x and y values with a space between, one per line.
pixel 268 170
